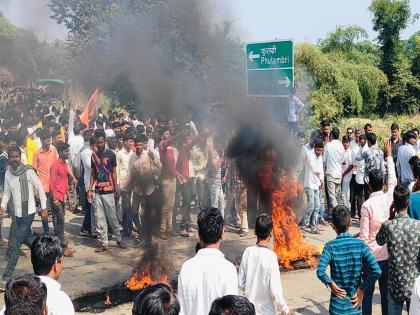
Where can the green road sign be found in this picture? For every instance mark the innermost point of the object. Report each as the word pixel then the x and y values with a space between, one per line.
pixel 269 68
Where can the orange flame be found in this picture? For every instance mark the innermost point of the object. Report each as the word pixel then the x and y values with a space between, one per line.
pixel 138 282
pixel 289 244
pixel 107 299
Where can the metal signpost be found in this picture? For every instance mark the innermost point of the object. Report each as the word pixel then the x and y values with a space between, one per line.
pixel 269 68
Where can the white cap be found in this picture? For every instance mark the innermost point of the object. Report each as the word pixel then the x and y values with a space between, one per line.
pixel 30 131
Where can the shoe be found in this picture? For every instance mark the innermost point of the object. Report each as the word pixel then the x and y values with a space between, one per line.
pixel 163 236
pixel 70 250
pixel 314 232
pixel 191 230
pixel 137 243
pixel 121 245
pixel 184 233
pixel 243 233
pixel 85 233
pixel 323 222
pixel 101 249
pixel 68 253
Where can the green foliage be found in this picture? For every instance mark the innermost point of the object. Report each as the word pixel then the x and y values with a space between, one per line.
pixel 343 38
pixel 405 92
pixel 390 17
pixel 325 105
pixel 26 57
pixel 354 87
pixel 415 68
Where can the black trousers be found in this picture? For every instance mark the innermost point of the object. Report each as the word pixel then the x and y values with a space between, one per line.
pixel 358 197
pixel 352 198
pixel 150 205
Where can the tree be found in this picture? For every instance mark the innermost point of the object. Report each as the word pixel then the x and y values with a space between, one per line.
pixel 415 68
pixel 26 57
pixel 343 38
pixel 390 17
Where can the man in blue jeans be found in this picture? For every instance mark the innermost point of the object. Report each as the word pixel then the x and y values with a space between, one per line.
pixel 314 173
pixel 19 184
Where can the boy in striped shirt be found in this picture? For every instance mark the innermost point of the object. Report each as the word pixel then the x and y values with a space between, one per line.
pixel 346 257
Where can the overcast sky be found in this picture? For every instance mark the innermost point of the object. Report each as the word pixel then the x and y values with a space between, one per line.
pixel 301 20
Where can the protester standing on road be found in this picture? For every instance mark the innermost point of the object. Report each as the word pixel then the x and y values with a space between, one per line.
pixel 208 275
pixel 373 158
pixel 4 162
pixel 333 160
pixel 374 212
pixel 19 184
pixel 352 266
pixel 169 176
pixel 103 189
pixel 313 183
pixel 259 272
pixel 47 257
pixel 401 234
pixel 295 109
pixel 42 161
pixel 123 174
pixel 405 153
pixel 59 186
pixel 143 168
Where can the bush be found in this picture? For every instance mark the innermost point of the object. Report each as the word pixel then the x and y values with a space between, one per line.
pixel 325 105
pixel 354 88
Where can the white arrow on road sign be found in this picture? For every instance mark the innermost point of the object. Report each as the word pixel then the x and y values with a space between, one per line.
pixel 252 56
pixel 285 82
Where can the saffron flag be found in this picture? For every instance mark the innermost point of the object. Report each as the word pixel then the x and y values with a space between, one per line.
pixel 89 107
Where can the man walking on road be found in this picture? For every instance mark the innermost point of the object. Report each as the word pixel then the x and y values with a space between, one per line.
pixel 20 181
pixel 103 182
pixel 59 186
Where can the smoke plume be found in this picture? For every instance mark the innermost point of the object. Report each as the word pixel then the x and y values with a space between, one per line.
pixel 33 15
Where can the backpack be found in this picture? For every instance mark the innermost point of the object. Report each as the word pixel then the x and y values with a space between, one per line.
pixel 77 164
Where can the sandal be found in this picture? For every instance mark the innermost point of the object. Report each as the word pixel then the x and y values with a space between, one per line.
pixel 243 234
pixel 67 253
pixel 101 249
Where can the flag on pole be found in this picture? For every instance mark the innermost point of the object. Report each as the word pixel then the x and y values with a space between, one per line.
pixel 89 107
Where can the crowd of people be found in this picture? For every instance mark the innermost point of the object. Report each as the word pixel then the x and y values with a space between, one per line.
pixel 352 179
pixel 130 178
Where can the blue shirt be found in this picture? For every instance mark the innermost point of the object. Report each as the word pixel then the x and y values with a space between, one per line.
pixel 4 162
pixel 414 210
pixel 346 256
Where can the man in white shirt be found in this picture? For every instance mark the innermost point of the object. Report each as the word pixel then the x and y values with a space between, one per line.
pixel 208 275
pixel 347 172
pixel 360 176
pixel 47 261
pixel 76 142
pixel 333 159
pixel 259 273
pixel 89 222
pixel 295 108
pixel 405 153
pixel 19 184
pixel 123 174
pixel 25 294
pixel 314 177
